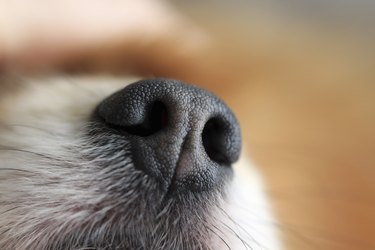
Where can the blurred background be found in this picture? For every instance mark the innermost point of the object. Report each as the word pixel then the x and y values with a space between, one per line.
pixel 299 74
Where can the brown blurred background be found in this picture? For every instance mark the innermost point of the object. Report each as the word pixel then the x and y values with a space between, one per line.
pixel 303 86
pixel 299 74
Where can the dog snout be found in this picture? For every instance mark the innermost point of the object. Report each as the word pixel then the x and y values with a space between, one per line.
pixel 183 136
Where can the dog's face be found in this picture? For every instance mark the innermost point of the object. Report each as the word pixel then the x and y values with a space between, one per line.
pixel 149 167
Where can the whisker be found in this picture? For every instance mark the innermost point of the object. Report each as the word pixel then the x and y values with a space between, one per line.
pixel 238 225
pixel 10 209
pixel 281 227
pixel 221 238
pixel 41 155
pixel 33 127
pixel 4 148
pixel 16 169
pixel 246 245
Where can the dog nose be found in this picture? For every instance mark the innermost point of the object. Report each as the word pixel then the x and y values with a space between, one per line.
pixel 183 136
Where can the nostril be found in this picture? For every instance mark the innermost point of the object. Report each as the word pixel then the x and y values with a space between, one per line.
pixel 155 119
pixel 183 136
pixel 214 141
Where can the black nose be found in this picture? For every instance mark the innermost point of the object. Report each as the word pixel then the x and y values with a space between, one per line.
pixel 183 136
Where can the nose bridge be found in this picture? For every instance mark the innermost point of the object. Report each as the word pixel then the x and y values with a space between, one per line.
pixel 189 109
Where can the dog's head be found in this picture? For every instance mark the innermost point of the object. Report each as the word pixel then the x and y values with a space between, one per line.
pixel 88 164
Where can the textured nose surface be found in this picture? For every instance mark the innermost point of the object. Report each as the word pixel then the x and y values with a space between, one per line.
pixel 183 136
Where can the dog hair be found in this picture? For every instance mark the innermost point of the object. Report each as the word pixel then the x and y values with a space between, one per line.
pixel 64 188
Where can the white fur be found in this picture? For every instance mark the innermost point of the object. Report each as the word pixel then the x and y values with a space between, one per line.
pixel 47 117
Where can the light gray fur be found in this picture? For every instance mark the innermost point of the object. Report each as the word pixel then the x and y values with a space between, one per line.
pixel 62 188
